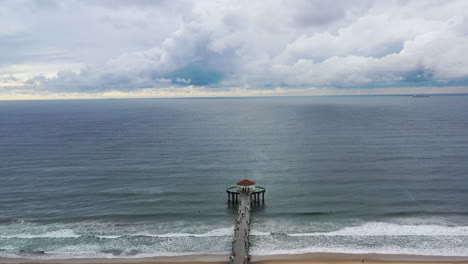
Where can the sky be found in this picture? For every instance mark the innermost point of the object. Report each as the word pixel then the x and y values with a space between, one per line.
pixel 129 49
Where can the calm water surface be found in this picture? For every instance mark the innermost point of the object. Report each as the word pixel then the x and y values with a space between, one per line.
pixel 147 177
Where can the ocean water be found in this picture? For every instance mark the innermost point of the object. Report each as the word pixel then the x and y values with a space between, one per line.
pixel 147 177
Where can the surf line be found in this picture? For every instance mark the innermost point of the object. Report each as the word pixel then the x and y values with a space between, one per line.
pixel 243 196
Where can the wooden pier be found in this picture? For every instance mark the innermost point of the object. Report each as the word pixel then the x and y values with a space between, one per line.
pixel 244 194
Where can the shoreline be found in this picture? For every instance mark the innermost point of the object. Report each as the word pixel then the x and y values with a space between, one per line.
pixel 315 258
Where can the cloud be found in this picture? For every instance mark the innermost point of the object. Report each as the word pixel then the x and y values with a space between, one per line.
pixel 127 46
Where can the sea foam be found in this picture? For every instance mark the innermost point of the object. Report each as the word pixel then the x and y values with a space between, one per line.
pixel 228 231
pixel 63 233
pixel 391 229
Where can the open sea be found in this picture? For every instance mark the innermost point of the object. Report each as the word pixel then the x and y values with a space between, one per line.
pixel 148 177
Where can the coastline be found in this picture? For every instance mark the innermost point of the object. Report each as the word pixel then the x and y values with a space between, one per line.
pixel 312 258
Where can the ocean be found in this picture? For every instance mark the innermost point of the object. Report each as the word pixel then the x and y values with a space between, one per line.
pixel 148 177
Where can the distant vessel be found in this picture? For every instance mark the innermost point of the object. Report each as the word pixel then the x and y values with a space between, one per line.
pixel 420 95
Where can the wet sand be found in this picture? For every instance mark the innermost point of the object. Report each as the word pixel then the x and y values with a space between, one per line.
pixel 312 258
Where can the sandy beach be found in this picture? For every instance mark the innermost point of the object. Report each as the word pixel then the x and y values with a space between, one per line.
pixel 312 258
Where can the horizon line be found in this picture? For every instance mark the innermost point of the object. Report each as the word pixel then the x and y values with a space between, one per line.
pixel 241 97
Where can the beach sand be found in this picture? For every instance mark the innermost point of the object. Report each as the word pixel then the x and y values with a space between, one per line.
pixel 312 258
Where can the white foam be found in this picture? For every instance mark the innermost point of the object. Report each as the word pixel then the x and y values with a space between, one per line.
pixel 63 233
pixel 69 233
pixel 390 229
pixel 266 244
pixel 460 251
pixel 87 251
pixel 228 231
pixel 108 236
pixel 259 233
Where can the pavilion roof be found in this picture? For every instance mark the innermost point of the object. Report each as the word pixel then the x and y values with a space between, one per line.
pixel 246 182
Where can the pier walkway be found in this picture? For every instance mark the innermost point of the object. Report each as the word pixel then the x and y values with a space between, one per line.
pixel 240 244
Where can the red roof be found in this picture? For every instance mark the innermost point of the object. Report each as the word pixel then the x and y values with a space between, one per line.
pixel 246 182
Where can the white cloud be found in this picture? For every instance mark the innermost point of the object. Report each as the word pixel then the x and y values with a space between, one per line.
pixel 95 47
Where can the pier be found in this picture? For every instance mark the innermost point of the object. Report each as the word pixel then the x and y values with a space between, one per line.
pixel 244 194
pixel 257 195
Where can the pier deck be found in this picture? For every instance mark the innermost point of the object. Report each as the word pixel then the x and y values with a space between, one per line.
pixel 240 245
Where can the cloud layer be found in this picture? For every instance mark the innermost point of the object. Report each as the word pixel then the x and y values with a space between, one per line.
pixel 129 46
